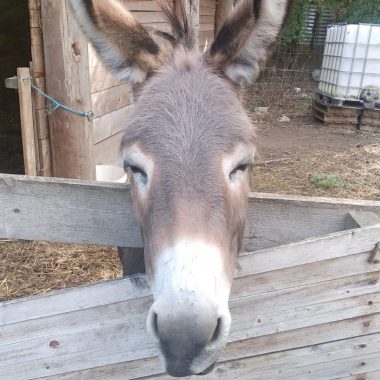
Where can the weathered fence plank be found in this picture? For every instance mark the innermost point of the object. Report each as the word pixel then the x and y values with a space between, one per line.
pixel 312 250
pixel 66 211
pixel 312 363
pixel 72 211
pixel 325 361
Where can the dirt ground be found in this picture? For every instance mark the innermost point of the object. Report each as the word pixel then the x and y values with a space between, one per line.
pixel 304 157
pixel 296 157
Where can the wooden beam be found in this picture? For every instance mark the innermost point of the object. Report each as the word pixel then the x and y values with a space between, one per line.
pixel 73 211
pixel 49 205
pixel 27 125
pixel 68 81
pixel 37 70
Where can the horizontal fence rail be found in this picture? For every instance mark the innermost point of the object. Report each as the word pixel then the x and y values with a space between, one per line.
pixel 74 211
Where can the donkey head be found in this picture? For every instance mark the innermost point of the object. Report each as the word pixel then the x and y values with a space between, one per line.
pixel 188 146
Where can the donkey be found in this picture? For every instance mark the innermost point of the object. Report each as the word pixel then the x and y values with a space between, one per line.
pixel 188 147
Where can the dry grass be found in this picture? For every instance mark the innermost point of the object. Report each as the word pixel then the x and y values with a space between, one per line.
pixel 358 170
pixel 28 268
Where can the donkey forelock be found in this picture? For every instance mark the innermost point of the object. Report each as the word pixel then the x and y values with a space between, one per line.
pixel 188 145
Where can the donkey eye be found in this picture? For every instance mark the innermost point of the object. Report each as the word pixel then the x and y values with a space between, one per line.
pixel 240 168
pixel 137 170
pixel 138 174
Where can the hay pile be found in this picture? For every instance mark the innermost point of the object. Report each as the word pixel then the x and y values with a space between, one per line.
pixel 28 268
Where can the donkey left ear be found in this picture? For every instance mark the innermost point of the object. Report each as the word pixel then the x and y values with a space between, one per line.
pixel 247 38
pixel 123 44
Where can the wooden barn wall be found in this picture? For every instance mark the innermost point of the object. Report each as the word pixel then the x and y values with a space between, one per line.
pixel 111 98
pixel 207 12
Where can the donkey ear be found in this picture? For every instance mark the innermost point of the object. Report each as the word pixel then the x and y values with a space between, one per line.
pixel 125 46
pixel 247 38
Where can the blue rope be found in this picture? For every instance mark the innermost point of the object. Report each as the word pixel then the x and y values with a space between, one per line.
pixel 55 104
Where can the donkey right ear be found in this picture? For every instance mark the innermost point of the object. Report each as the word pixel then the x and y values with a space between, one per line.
pixel 122 43
pixel 247 38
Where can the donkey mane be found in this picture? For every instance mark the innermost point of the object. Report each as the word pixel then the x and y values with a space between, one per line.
pixel 183 32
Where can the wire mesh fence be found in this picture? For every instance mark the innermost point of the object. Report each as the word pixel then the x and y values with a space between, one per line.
pixel 289 80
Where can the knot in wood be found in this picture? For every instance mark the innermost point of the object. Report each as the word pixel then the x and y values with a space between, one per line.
pixel 53 344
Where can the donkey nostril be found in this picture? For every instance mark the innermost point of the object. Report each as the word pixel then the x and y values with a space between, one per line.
pixel 217 331
pixel 153 324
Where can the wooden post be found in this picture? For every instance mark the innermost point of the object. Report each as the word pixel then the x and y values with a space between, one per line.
pixel 26 115
pixel 39 102
pixel 68 81
pixel 223 8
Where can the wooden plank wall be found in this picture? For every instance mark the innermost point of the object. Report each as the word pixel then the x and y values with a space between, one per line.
pixel 291 319
pixel 110 97
pixel 206 22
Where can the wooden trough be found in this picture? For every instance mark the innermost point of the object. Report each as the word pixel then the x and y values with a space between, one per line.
pixel 305 302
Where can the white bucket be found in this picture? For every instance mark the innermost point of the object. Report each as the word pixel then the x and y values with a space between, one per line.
pixel 110 173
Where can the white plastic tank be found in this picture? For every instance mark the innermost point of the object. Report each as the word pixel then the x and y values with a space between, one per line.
pixel 351 61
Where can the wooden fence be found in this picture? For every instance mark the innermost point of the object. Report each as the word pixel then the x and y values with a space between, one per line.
pixel 303 310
